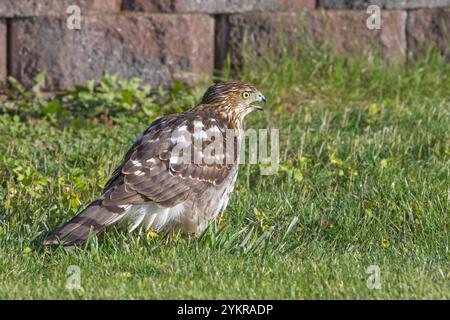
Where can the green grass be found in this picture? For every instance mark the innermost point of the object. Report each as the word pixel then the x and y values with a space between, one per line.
pixel 363 180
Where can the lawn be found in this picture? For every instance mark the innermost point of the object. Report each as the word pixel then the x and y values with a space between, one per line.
pixel 363 181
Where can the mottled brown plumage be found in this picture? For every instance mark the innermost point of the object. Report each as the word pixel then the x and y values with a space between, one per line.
pixel 178 174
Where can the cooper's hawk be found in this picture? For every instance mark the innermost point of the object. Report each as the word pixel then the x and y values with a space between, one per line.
pixel 178 174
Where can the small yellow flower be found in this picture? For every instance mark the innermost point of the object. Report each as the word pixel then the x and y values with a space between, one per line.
pixel 151 235
pixel 27 250
pixel 385 243
pixel 125 274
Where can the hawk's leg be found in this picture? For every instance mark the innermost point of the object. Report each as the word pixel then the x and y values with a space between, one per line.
pixel 169 237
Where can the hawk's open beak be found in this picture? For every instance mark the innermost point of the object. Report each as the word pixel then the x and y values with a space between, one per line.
pixel 262 99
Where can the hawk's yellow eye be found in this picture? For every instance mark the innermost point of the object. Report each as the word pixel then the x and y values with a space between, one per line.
pixel 246 95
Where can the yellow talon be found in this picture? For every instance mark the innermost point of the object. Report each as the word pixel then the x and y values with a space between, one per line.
pixel 150 234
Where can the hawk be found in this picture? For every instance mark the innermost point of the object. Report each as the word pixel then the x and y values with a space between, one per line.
pixel 179 173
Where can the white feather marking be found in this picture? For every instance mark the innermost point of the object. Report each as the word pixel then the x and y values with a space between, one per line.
pixel 175 212
pixel 174 159
pixel 198 124
pixel 135 215
pixel 218 158
pixel 214 129
pixel 148 220
pixel 139 173
pixel 200 134
pixel 152 216
pixel 200 155
pixel 136 163
pixel 181 140
pixel 160 219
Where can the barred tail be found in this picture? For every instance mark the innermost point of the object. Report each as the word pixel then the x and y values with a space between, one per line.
pixel 93 219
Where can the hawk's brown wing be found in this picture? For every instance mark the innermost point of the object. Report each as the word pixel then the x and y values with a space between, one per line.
pixel 153 169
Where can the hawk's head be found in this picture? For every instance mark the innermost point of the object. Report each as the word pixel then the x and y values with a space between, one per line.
pixel 234 98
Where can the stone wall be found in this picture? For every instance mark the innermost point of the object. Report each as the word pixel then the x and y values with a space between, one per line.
pixel 165 40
